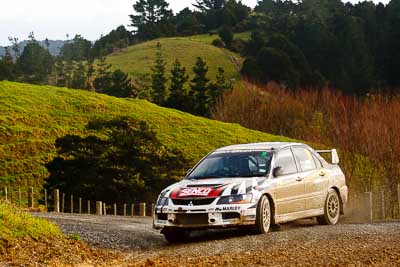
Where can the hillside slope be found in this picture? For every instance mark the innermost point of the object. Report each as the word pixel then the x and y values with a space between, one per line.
pixel 32 117
pixel 137 60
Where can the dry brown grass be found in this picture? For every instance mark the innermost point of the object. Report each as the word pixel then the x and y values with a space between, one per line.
pixel 366 130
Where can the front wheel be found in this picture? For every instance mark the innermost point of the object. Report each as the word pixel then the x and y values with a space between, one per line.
pixel 331 209
pixel 263 216
pixel 175 235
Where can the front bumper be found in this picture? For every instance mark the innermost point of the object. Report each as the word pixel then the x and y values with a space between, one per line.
pixel 204 217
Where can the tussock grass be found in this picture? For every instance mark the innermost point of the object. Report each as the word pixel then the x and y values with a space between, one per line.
pixel 17 224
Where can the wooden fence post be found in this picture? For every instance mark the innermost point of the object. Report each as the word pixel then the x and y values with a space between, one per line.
pixel 19 197
pixel 142 209
pixel 383 204
pixel 132 209
pixel 104 209
pixel 72 203
pixel 80 205
pixel 115 209
pixel 57 200
pixel 45 199
pixel 62 202
pixel 368 198
pixel 99 208
pixel 124 209
pixel 398 196
pixel 32 198
pixel 88 207
pixel 5 194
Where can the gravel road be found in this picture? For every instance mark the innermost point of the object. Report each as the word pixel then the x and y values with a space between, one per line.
pixel 301 243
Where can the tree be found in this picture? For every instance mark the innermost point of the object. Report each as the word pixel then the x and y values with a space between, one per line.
pixel 76 50
pixel 207 5
pixel 121 85
pixel 35 62
pixel 220 86
pixel 152 19
pixel 59 73
pixel 199 86
pixel 178 97
pixel 7 66
pixel 158 78
pixel 78 76
pixel 126 164
pixel 212 12
pixel 103 78
pixel 116 40
pixel 89 74
pixel 226 36
pixel 187 23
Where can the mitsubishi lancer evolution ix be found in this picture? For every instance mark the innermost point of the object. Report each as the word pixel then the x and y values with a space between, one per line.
pixel 254 185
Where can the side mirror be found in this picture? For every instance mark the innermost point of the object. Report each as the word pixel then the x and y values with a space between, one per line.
pixel 277 171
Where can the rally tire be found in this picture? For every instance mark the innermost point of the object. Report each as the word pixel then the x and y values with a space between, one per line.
pixel 263 216
pixel 331 209
pixel 175 235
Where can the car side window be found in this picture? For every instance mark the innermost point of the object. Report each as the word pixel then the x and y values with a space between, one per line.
pixel 317 162
pixel 304 158
pixel 285 159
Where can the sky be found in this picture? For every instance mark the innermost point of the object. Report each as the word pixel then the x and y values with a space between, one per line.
pixel 54 19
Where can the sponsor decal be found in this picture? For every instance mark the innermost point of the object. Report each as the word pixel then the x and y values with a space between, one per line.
pixel 195 191
pixel 201 191
pixel 229 208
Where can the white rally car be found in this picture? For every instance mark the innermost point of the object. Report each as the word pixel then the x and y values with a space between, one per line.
pixel 256 185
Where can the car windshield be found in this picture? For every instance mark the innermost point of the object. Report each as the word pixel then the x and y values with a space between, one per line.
pixel 233 164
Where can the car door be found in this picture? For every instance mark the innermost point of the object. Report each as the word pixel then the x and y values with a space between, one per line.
pixel 314 177
pixel 289 189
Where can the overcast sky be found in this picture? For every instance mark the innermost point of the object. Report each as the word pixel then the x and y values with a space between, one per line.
pixel 55 19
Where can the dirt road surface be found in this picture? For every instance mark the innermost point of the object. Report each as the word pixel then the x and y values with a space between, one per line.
pixel 302 243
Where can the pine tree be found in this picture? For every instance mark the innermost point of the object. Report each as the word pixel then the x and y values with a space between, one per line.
pixel 121 85
pixel 199 87
pixel 60 75
pixel 103 80
pixel 216 89
pixel 68 72
pixel 158 78
pixel 152 19
pixel 178 97
pixel 79 74
pixel 89 75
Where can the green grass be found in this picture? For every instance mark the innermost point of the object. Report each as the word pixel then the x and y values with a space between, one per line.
pixel 32 117
pixel 137 60
pixel 208 38
pixel 17 224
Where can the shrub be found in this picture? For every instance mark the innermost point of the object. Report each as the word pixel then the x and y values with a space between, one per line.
pixel 218 43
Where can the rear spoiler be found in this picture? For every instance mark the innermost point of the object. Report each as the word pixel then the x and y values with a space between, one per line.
pixel 334 154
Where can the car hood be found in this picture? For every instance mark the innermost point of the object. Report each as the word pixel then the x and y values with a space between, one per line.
pixel 214 187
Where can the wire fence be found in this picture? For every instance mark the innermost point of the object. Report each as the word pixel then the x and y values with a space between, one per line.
pixel 370 206
pixel 56 201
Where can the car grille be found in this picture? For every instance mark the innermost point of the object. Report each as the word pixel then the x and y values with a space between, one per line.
pixel 192 219
pixel 194 202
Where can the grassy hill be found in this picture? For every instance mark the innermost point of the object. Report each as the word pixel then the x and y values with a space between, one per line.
pixel 32 117
pixel 137 60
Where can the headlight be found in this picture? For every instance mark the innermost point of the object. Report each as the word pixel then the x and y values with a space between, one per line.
pixel 162 201
pixel 235 199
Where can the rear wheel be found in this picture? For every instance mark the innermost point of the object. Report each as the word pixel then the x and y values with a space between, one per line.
pixel 175 235
pixel 263 216
pixel 331 209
